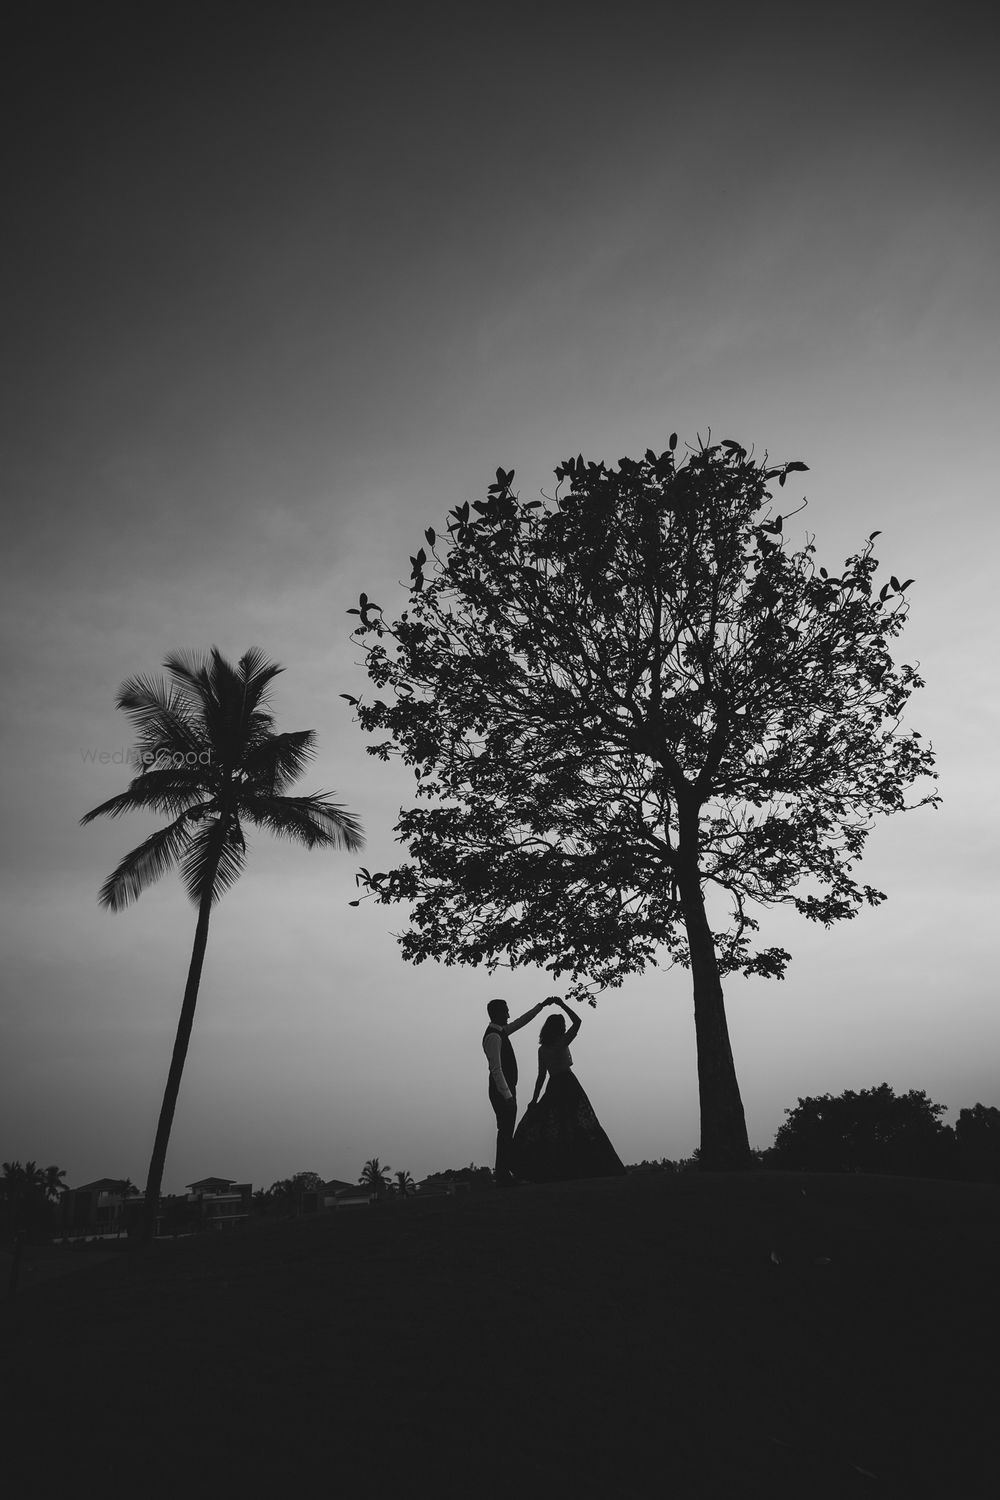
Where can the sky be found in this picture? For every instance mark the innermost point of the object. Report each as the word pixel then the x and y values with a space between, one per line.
pixel 283 285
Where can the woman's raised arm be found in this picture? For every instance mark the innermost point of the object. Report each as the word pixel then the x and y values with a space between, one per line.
pixel 575 1022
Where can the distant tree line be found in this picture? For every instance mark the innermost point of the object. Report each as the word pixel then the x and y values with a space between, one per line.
pixel 302 1192
pixel 877 1130
pixel 288 1196
pixel 472 1176
pixel 29 1195
pixel 872 1130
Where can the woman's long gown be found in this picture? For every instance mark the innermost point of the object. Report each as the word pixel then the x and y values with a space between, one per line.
pixel 560 1136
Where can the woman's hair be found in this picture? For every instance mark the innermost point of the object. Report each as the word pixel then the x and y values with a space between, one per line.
pixel 552 1032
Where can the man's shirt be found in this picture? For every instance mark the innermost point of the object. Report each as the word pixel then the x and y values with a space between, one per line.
pixel 492 1045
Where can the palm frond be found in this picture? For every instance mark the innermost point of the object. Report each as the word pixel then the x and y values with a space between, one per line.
pixel 258 673
pixel 212 690
pixel 141 696
pixel 227 682
pixel 210 735
pixel 279 760
pixel 153 791
pixel 309 820
pixel 231 706
pixel 247 686
pixel 213 858
pixel 178 774
pixel 160 713
pixel 145 864
pixel 189 669
pixel 194 674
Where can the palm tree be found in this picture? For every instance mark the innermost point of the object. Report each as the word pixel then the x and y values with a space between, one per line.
pixel 28 1190
pixel 210 758
pixel 404 1183
pixel 33 1181
pixel 15 1187
pixel 127 1189
pixel 375 1176
pixel 52 1185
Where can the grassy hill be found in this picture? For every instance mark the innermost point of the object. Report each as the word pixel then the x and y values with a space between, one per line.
pixel 692 1336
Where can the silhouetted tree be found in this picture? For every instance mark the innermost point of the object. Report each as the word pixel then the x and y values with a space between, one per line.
pixel 375 1176
pixel 53 1186
pixel 307 1182
pixel 128 1190
pixel 211 759
pixel 874 1130
pixel 287 1194
pixel 404 1183
pixel 977 1134
pixel 27 1192
pixel 619 698
pixel 472 1176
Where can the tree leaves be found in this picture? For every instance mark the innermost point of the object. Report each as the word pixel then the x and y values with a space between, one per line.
pixel 583 672
pixel 790 468
pixel 873 1130
pixel 228 765
pixel 365 606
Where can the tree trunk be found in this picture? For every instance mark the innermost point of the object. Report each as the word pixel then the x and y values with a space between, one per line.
pixel 724 1143
pixel 156 1164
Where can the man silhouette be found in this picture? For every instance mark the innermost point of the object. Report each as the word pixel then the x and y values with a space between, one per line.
pixel 503 1077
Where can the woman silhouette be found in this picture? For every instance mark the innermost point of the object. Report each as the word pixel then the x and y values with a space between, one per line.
pixel 560 1135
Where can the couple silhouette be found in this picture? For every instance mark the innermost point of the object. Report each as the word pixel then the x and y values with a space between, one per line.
pixel 559 1136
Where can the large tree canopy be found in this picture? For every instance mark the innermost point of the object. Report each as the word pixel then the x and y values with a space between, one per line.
pixel 624 698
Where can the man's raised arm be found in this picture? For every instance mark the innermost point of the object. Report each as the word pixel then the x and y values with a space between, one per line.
pixel 529 1015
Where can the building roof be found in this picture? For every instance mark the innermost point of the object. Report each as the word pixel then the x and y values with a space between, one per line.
pixel 102 1185
pixel 336 1186
pixel 208 1183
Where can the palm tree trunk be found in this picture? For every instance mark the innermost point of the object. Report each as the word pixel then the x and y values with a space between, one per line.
pixel 159 1156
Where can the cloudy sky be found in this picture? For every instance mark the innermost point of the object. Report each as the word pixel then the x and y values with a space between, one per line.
pixel 283 284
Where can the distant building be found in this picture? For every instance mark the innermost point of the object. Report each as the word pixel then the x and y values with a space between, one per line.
pixel 209 1185
pixel 96 1207
pixel 351 1195
pixel 106 1207
pixel 221 1202
pixel 438 1186
pixel 326 1196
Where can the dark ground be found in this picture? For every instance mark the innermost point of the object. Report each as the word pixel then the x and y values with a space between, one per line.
pixel 627 1337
